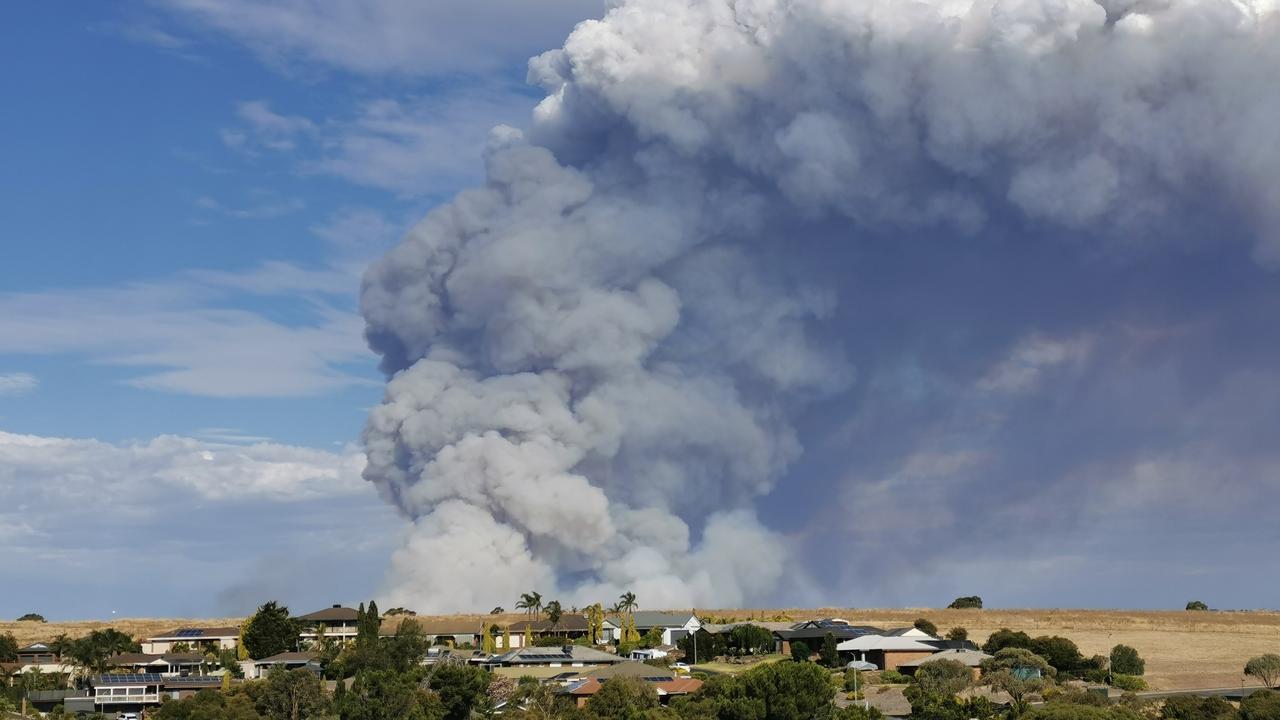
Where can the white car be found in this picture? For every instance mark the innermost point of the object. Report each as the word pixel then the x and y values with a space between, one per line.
pixel 680 666
pixel 127 716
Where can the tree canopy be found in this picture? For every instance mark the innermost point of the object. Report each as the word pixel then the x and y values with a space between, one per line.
pixel 943 677
pixel 1006 638
pixel 1264 667
pixel 1126 661
pixel 923 625
pixel 270 631
pixel 623 698
pixel 966 602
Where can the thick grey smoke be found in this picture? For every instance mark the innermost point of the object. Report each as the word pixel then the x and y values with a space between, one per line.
pixel 604 358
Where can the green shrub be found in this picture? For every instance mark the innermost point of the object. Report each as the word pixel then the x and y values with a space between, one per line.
pixel 1197 605
pixel 893 677
pixel 1126 661
pixel 1130 683
pixel 967 602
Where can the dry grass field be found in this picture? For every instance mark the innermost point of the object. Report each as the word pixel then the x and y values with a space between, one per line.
pixel 1182 649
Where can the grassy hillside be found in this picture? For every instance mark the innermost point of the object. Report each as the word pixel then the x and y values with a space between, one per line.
pixel 1182 649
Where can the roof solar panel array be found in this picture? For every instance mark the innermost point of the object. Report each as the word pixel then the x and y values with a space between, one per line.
pixel 190 632
pixel 128 679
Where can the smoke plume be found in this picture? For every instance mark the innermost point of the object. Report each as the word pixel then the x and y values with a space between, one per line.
pixel 736 230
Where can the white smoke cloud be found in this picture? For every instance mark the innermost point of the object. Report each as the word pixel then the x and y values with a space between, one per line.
pixel 599 358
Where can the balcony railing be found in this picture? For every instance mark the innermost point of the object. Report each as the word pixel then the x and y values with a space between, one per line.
pixel 121 699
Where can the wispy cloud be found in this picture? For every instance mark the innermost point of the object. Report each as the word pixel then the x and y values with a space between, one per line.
pixel 415 147
pixel 17 383
pixel 400 37
pixel 260 211
pixel 191 334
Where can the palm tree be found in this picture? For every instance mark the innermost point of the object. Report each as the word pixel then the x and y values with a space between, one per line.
pixel 627 602
pixel 554 612
pixel 536 597
pixel 525 603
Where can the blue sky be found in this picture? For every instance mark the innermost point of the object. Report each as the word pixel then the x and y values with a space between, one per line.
pixel 191 191
pixel 1071 377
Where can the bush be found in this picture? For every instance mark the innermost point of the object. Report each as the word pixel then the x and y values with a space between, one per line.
pixel 1261 705
pixel 1129 683
pixel 958 634
pixel 1126 661
pixel 1197 605
pixel 893 677
pixel 800 651
pixel 1188 707
pixel 31 617
pixel 1060 652
pixel 966 602
pixel 923 625
pixel 1006 638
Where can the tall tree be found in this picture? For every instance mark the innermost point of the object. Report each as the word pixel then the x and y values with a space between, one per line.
pixel 1019 673
pixel 1264 667
pixel 270 631
pixel 627 602
pixel 830 656
pixel 93 651
pixel 292 695
pixel 554 613
pixel 595 622
pixel 623 698
pixel 8 648
pixel 461 688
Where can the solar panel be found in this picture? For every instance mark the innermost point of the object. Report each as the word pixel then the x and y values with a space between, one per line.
pixel 128 679
pixel 190 632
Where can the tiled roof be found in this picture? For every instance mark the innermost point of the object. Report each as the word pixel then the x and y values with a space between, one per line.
pixel 289 658
pixel 332 614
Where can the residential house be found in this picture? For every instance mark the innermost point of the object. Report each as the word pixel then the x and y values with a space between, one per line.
pixel 548 662
pixel 203 639
pixel 568 628
pixel 886 652
pixel 288 660
pixel 164 665
pixel 814 632
pixel 336 623
pixel 443 632
pixel 914 633
pixel 121 693
pixel 654 653
pixel 581 686
pixel 180 688
pixel 675 626
pixel 37 654
pixel 971 659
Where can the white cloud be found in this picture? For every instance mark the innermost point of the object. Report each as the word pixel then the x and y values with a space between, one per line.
pixel 17 383
pixel 36 470
pixel 402 37
pixel 240 524
pixel 1023 369
pixel 192 335
pixel 412 147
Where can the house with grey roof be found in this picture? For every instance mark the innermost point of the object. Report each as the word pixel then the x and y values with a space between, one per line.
pixel 675 625
pixel 336 623
pixel 566 656
pixel 971 659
